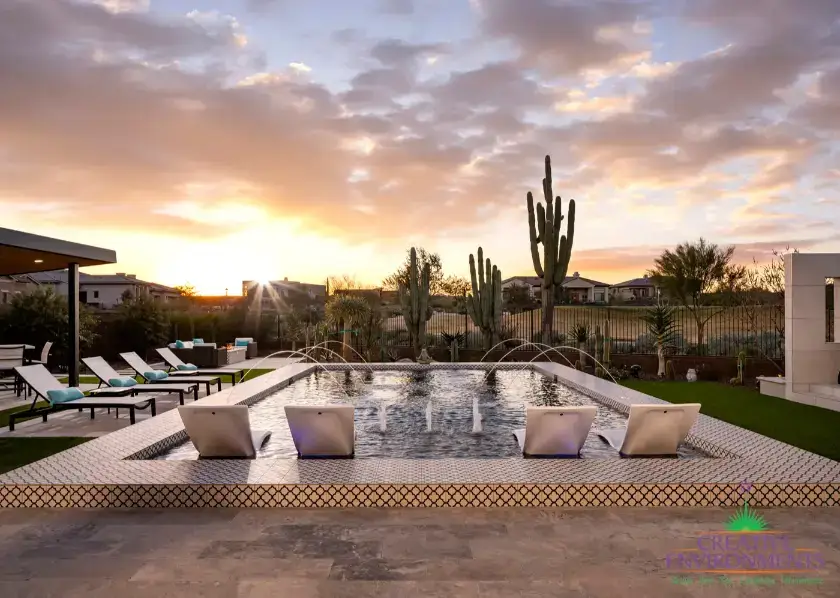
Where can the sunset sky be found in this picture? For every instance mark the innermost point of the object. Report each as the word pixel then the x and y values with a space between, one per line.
pixel 222 140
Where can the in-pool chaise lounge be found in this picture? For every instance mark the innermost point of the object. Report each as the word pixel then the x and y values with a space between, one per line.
pixel 179 368
pixel 653 430
pixel 151 375
pixel 555 431
pixel 61 397
pixel 322 431
pixel 110 377
pixel 222 431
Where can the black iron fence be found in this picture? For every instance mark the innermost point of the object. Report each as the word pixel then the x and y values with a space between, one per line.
pixel 756 331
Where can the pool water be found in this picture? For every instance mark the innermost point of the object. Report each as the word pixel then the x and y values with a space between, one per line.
pixel 502 397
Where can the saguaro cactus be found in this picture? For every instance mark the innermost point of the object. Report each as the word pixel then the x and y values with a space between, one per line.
pixel 415 304
pixel 485 304
pixel 557 250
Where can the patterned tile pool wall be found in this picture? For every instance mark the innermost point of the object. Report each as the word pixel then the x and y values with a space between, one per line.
pixel 115 470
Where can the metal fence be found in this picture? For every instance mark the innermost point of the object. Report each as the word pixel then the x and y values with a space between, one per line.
pixel 757 331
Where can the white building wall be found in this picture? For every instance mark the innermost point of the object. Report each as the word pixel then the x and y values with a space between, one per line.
pixel 810 360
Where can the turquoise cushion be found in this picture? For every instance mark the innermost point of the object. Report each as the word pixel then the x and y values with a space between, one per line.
pixel 242 343
pixel 122 382
pixel 187 367
pixel 155 375
pixel 64 395
pixel 179 344
pixel 198 341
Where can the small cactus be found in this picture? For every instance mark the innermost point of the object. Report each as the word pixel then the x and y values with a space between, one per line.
pixel 607 345
pixel 453 351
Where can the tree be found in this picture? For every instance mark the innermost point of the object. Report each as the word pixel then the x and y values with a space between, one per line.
pixel 347 311
pixel 401 275
pixel 186 290
pixel 188 293
pixel 457 287
pixel 762 290
pixel 691 273
pixel 42 315
pixel 141 325
pixel 343 282
pixel 661 325
pixel 518 298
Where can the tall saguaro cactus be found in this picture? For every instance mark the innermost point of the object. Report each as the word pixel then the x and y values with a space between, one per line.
pixel 557 249
pixel 485 304
pixel 415 304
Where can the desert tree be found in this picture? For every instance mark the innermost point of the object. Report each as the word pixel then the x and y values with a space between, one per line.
pixel 696 275
pixel 761 293
pixel 401 276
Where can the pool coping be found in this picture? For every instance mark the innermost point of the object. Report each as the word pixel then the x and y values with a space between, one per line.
pixel 116 470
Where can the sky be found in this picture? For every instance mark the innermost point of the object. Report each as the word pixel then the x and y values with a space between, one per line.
pixel 217 141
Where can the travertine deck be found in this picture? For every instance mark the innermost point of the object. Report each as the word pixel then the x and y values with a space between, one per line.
pixel 387 553
pixel 114 470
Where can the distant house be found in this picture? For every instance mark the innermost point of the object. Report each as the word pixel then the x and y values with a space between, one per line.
pixel 585 290
pixel 12 285
pixel 634 290
pixel 106 291
pixel 532 283
pixel 579 289
pixel 282 295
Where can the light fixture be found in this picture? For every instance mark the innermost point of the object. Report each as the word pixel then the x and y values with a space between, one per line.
pixel 39 261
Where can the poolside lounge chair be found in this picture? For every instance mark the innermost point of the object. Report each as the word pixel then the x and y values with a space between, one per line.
pixel 222 431
pixel 176 364
pixel 555 431
pixel 109 377
pixel 150 375
pixel 653 430
pixel 45 386
pixel 322 431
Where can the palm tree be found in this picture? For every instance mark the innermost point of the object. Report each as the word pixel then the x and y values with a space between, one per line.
pixel 663 328
pixel 348 311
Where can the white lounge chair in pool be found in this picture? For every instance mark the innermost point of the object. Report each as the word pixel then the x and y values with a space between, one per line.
pixel 161 377
pixel 222 431
pixel 652 430
pixel 555 431
pixel 178 368
pixel 322 430
pixel 111 378
pixel 61 397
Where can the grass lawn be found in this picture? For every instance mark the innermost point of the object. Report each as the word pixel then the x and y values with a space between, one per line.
pixel 811 428
pixel 17 452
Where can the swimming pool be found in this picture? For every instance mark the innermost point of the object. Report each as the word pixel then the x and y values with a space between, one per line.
pixel 409 397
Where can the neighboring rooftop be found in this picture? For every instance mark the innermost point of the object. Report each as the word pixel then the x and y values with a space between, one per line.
pixel 121 278
pixel 644 281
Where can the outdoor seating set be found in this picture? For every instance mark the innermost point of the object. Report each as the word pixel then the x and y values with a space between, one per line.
pixel 119 391
pixel 13 356
pixel 210 355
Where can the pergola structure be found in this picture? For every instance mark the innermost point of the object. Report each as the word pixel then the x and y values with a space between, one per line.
pixel 25 253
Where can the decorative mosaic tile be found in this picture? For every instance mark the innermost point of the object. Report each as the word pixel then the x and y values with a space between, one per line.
pixel 414 495
pixel 114 471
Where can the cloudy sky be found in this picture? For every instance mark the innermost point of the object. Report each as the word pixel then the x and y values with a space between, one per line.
pixel 214 141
